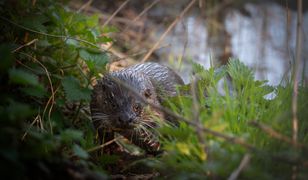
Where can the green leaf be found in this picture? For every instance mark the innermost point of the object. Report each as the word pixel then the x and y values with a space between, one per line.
pixel 92 21
pixel 240 73
pixel 78 151
pixel 43 43
pixel 108 29
pixel 16 110
pixel 23 77
pixel 37 91
pixel 71 134
pixel 6 58
pixel 94 60
pixel 36 22
pixel 105 39
pixel 73 89
pixel 72 42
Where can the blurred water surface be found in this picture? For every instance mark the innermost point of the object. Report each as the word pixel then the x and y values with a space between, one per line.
pixel 265 41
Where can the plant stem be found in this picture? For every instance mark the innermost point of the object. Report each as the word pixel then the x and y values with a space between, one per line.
pixel 296 76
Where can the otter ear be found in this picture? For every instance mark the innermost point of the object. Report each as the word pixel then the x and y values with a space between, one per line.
pixel 147 93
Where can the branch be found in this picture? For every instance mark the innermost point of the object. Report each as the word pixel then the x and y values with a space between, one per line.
pixel 273 133
pixel 296 76
pixel 167 30
pixel 116 12
pixel 240 168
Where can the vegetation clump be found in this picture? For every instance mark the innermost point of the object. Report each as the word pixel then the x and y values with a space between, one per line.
pixel 49 58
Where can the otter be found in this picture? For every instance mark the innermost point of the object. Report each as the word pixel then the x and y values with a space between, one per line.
pixel 115 108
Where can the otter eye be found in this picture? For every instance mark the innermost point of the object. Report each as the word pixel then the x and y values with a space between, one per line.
pixel 137 107
pixel 113 105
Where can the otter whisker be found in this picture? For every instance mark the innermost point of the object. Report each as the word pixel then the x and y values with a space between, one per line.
pixel 143 132
pixel 116 94
pixel 151 127
pixel 99 119
pixel 100 114
pixel 148 133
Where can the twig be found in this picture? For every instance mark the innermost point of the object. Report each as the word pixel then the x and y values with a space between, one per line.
pixel 139 53
pixel 145 10
pixel 50 35
pixel 139 15
pixel 52 97
pixel 36 119
pixel 296 70
pixel 87 4
pixel 271 132
pixel 296 76
pixel 167 30
pixel 102 145
pixel 235 174
pixel 184 47
pixel 115 13
pixel 24 45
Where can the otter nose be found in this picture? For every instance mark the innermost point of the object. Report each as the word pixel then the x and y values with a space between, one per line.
pixel 126 119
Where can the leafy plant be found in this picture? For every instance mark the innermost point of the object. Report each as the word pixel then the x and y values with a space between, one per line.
pixel 227 128
pixel 49 56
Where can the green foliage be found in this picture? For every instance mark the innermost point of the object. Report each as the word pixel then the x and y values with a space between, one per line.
pixel 73 90
pixel 49 54
pixel 228 100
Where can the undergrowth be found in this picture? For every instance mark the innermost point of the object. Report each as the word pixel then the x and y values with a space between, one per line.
pixel 237 109
pixel 49 57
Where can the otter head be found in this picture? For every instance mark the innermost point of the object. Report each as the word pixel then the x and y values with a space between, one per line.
pixel 115 107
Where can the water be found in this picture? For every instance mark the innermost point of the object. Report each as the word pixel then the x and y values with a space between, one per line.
pixel 265 41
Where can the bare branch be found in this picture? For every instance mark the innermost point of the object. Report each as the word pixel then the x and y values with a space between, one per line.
pixel 103 145
pixel 235 174
pixel 273 133
pixel 296 76
pixel 116 12
pixel 168 30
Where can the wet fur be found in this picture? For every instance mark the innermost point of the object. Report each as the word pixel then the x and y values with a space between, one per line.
pixel 116 109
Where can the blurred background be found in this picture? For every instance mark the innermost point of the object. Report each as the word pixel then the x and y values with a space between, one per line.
pixel 261 33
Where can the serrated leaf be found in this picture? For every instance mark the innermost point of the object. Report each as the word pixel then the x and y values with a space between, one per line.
pixel 37 91
pixel 74 91
pixel 239 72
pixel 78 151
pixel 92 21
pixel 94 60
pixel 23 77
pixel 36 22
pixel 16 110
